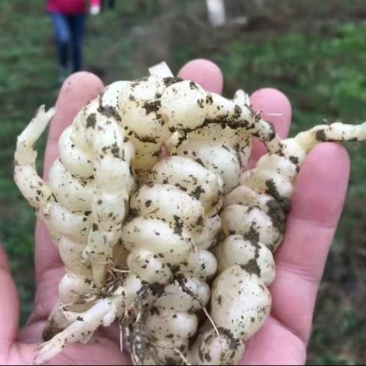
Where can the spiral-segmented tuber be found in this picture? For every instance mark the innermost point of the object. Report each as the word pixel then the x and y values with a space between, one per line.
pixel 152 242
pixel 253 223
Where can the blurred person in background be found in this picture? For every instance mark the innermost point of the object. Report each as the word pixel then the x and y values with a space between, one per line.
pixel 68 18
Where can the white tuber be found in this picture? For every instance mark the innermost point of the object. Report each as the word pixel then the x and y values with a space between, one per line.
pixel 153 242
pixel 253 220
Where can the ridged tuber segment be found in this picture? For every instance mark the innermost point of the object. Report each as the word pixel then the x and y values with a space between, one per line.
pixel 253 221
pixel 92 202
pixel 166 235
pixel 84 202
pixel 174 216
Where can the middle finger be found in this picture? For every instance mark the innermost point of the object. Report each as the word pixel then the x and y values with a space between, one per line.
pixel 274 107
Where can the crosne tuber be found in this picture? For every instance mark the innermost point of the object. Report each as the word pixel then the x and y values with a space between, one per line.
pixel 253 222
pixel 104 155
pixel 152 242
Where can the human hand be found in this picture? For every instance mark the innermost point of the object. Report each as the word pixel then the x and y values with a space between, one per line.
pixel 317 204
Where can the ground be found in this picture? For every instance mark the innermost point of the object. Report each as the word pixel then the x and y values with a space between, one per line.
pixel 313 51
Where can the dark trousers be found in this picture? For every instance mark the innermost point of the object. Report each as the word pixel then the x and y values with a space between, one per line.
pixel 69 32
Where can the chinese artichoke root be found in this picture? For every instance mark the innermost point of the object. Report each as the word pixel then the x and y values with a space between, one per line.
pixel 179 250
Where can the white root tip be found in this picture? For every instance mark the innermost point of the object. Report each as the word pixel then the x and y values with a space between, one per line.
pixel 24 154
pixel 161 70
pixel 241 97
pixel 336 132
pixel 80 330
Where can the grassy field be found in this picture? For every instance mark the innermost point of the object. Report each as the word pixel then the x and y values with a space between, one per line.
pixel 314 53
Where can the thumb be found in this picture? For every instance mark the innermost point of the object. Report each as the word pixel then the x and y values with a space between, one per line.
pixel 9 306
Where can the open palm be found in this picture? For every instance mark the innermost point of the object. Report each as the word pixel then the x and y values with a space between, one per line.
pixel 316 207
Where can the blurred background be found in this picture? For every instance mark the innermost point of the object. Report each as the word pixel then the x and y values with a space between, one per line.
pixel 314 51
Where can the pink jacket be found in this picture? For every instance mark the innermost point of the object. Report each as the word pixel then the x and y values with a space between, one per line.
pixel 70 7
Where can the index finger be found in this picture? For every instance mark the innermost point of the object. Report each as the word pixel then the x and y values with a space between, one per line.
pixel 75 93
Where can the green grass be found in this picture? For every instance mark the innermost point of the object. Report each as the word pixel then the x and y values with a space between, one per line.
pixel 323 74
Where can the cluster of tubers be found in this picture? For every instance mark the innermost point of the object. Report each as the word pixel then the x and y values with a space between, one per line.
pixel 179 250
